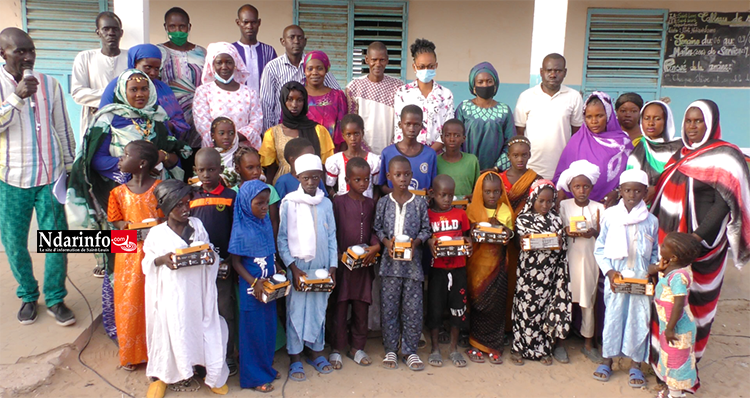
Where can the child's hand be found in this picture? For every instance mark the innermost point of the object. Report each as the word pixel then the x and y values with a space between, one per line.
pixel 431 244
pixel 612 274
pixel 388 244
pixel 332 273
pixel 166 260
pixel 258 289
pixel 590 233
pixel 370 253
pixel 508 234
pixel 494 221
pixel 296 274
pixel 670 336
pixel 662 265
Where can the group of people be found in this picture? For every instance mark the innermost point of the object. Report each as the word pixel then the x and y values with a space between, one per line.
pixel 268 161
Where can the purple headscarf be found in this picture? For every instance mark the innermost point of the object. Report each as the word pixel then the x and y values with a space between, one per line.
pixel 609 150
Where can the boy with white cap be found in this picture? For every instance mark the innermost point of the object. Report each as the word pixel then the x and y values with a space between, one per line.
pixel 579 179
pixel 307 243
pixel 627 245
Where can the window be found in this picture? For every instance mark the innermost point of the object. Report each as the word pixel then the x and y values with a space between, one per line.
pixel 344 28
pixel 624 51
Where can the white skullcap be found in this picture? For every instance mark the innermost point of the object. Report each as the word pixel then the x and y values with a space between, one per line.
pixel 578 168
pixel 634 175
pixel 307 162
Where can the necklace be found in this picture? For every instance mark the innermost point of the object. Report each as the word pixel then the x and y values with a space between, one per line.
pixel 146 132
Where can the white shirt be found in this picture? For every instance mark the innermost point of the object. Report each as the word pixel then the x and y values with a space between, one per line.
pixel 336 172
pixel 251 62
pixel 437 108
pixel 547 120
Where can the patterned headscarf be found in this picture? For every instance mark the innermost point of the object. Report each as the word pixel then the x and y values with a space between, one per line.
pixel 479 68
pixel 251 236
pixel 320 56
pixel 529 221
pixel 169 193
pixel 213 51
pixel 711 117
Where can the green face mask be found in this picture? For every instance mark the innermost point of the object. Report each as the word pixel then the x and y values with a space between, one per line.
pixel 178 38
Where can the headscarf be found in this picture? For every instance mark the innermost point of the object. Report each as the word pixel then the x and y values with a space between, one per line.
pixel 616 244
pixel 476 210
pixel 609 150
pixel 301 123
pixel 711 116
pixel 578 168
pixel 251 236
pixel 214 49
pixel 320 56
pixel 479 68
pixel 141 51
pixel 531 222
pixel 652 155
pixel 169 193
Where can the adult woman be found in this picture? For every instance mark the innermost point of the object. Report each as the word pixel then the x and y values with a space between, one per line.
pixel 224 93
pixel 147 59
pixel 657 146
pixel 628 106
pixel 705 191
pixel 134 115
pixel 326 106
pixel 488 123
pixel 295 123
pixel 435 100
pixel 602 142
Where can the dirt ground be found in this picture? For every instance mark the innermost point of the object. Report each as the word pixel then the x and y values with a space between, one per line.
pixel 723 371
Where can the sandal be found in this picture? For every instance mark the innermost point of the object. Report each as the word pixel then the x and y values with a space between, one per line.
pixel 390 361
pixel 546 361
pixel 561 354
pixel 320 363
pixel 99 272
pixel 295 368
pixel 188 385
pixel 268 387
pixel 496 358
pixel 422 342
pixel 517 359
pixel 129 368
pixel 157 389
pixel 592 354
pixel 475 355
pixel 603 370
pixel 635 375
pixel 413 362
pixel 360 358
pixel 458 360
pixel 223 390
pixel 335 360
pixel 435 359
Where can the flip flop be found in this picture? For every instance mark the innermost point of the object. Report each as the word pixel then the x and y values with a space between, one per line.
pixel 636 374
pixel 457 359
pixel 517 359
pixel 475 355
pixel 592 354
pixel 495 358
pixel 335 360
pixel 359 356
pixel 546 361
pixel 390 358
pixel 296 368
pixel 268 387
pixel 319 363
pixel 561 354
pixel 414 362
pixel 435 359
pixel 605 370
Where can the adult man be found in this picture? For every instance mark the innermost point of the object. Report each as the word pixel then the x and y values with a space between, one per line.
pixel 255 54
pixel 548 114
pixel 372 96
pixel 94 69
pixel 282 70
pixel 38 146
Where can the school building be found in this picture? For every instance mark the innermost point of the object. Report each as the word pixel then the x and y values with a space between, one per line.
pixel 679 50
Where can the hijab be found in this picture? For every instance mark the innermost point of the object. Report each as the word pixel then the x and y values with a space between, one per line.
pixel 141 51
pixel 711 116
pixel 476 210
pixel 251 236
pixel 214 50
pixel 320 56
pixel 609 149
pixel 651 155
pixel 479 68
pixel 531 222
pixel 301 123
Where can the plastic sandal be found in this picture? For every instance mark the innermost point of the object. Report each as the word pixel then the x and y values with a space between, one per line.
pixel 414 362
pixel 636 374
pixel 360 356
pixel 605 370
pixel 223 390
pixel 268 387
pixel 495 358
pixel 335 360
pixel 390 358
pixel 296 368
pixel 435 359
pixel 157 389
pixel 561 354
pixel 475 355
pixel 458 360
pixel 593 354
pixel 319 363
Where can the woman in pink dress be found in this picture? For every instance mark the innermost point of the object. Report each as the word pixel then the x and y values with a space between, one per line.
pixel 326 106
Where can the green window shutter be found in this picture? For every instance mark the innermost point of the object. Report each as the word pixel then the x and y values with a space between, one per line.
pixel 326 26
pixel 385 22
pixel 624 51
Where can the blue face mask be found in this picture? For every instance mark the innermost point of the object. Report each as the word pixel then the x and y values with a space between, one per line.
pixel 220 80
pixel 425 75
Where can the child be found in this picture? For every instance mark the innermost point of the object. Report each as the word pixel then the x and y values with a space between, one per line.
pixel 253 248
pixel 353 129
pixel 447 285
pixel 626 245
pixel 288 182
pixel 422 158
pixel 578 179
pixel 677 328
pixel 307 243
pixel 226 142
pixel 486 271
pixel 402 213
pixel 461 166
pixel 198 336
pixel 541 307
pixel 354 213
pixel 213 205
pixel 132 202
pixel 247 165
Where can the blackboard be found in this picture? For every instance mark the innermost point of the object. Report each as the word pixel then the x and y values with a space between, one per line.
pixel 707 49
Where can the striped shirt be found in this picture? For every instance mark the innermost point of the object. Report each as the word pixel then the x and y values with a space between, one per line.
pixel 36 144
pixel 277 73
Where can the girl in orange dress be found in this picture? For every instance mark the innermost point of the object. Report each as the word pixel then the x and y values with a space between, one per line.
pixel 129 203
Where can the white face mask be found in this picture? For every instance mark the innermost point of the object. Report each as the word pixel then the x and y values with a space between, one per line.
pixel 221 80
pixel 425 75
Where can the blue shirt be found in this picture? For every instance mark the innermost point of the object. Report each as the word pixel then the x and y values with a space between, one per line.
pixel 288 183
pixel 423 166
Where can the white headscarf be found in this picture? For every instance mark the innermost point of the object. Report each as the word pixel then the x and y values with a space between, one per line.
pixel 578 168
pixel 669 130
pixel 707 118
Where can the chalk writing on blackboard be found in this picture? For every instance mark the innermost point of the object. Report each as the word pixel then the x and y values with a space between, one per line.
pixel 707 49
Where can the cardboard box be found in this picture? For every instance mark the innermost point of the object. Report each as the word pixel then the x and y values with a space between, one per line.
pixel 195 255
pixel 634 286
pixel 142 228
pixel 402 251
pixel 273 290
pixel 541 242
pixel 456 247
pixel 352 260
pixel 489 233
pixel 315 285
